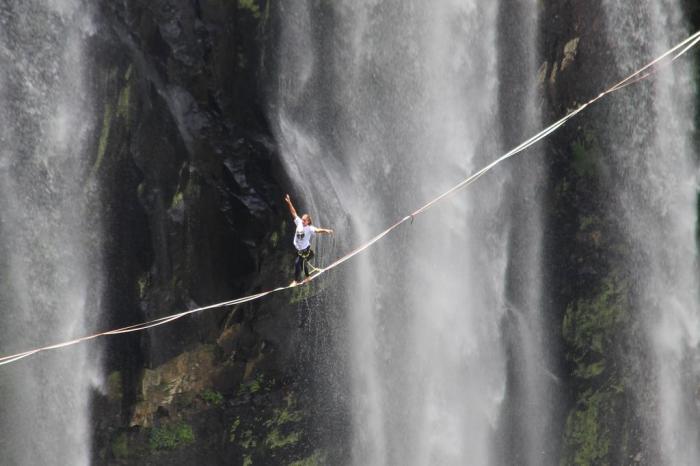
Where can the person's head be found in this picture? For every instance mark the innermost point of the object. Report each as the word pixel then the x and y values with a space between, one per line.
pixel 306 220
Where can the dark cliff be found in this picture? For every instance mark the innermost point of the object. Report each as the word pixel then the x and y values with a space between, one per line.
pixel 192 190
pixel 589 293
pixel 592 289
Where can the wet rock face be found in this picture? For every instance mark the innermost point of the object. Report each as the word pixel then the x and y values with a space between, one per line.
pixel 206 53
pixel 183 128
pixel 590 290
pixel 192 202
pixel 189 373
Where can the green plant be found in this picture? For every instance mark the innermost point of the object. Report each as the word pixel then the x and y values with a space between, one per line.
pixel 253 386
pixel 318 458
pixel 234 428
pixel 171 436
pixel 103 140
pixel 251 6
pixel 283 416
pixel 275 439
pixel 212 397
pixel 587 437
pixel 248 440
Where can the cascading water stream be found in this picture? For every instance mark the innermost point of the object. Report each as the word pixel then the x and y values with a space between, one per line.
pixel 656 203
pixel 49 241
pixel 380 106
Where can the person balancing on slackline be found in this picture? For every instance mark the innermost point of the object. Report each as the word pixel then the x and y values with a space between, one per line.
pixel 305 232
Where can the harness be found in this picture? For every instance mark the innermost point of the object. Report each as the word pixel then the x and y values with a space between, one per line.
pixel 305 253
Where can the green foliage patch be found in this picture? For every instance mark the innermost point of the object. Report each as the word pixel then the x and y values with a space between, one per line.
pixel 234 428
pixel 253 386
pixel 591 329
pixel 250 6
pixel 123 103
pixel 104 139
pixel 587 436
pixel 212 397
pixel 276 428
pixel 171 436
pixel 275 439
pixel 591 325
pixel 318 458
pixel 248 439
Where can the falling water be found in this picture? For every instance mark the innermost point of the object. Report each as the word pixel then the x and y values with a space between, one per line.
pixel 657 206
pixel 47 264
pixel 380 106
pixel 527 435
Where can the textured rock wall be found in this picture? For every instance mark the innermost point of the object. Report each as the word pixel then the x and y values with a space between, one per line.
pixel 590 289
pixel 192 192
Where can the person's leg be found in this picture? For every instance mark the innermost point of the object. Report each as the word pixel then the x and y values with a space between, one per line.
pixel 298 264
pixel 307 266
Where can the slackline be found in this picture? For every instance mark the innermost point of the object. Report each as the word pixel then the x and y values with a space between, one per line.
pixel 646 71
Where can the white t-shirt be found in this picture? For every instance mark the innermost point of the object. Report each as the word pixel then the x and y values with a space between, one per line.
pixel 303 235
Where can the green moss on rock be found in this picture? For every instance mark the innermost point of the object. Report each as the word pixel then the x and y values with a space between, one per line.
pixel 275 439
pixel 252 386
pixel 178 200
pixel 592 330
pixel 234 428
pixel 587 436
pixel 143 283
pixel 318 458
pixel 285 415
pixel 591 324
pixel 212 397
pixel 104 139
pixel 171 436
pixel 251 6
pixel 124 101
pixel 120 446
pixel 248 440
pixel 114 386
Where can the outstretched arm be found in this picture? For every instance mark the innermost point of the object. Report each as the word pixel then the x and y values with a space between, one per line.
pixel 326 231
pixel 292 211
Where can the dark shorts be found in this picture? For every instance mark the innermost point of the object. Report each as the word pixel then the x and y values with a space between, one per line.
pixel 301 263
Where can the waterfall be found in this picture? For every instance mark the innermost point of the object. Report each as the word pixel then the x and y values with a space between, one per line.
pixel 527 427
pixel 656 203
pixel 378 107
pixel 48 239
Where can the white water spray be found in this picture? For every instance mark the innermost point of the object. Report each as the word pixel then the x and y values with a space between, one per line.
pixel 48 246
pixel 657 205
pixel 381 106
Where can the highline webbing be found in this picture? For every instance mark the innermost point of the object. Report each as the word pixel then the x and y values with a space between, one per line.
pixel 641 74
